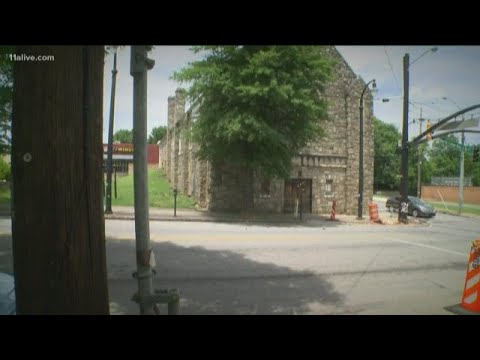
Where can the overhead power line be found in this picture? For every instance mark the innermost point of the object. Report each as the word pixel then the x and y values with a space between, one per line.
pixel 391 68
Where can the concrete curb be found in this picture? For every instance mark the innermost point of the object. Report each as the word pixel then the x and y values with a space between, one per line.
pixel 205 219
pixel 315 222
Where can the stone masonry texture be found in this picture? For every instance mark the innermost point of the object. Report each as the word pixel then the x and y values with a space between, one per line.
pixel 332 163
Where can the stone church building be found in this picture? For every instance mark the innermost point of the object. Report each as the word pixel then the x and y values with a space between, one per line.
pixel 329 168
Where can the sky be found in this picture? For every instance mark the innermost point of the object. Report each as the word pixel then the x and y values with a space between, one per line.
pixel 441 82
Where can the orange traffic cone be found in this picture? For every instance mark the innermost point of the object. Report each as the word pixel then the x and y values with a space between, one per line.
pixel 373 208
pixel 334 206
pixel 471 293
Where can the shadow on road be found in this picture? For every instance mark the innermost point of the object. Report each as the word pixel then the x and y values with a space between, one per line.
pixel 217 282
pixel 6 257
pixel 209 281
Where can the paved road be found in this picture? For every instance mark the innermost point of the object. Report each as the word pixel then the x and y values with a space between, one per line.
pixel 358 269
pixel 348 269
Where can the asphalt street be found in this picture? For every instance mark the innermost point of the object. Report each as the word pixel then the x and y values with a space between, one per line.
pixel 347 269
pixel 332 269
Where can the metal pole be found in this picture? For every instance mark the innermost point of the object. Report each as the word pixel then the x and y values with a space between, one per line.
pixel 115 182
pixel 403 208
pixel 419 162
pixel 360 161
pixel 145 260
pixel 301 200
pixel 108 200
pixel 460 185
pixel 360 164
pixel 175 202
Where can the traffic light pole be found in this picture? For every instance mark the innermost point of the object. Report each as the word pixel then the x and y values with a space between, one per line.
pixel 419 162
pixel 460 185
pixel 421 138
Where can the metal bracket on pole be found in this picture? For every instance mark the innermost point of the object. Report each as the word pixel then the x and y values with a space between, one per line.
pixel 170 297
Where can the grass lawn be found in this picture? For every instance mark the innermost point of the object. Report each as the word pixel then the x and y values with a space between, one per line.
pixel 452 207
pixel 4 194
pixel 158 188
pixel 159 193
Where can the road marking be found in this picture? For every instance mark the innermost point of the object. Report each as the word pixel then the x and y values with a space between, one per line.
pixel 432 247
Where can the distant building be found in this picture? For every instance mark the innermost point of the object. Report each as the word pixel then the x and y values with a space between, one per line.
pixel 329 168
pixel 123 156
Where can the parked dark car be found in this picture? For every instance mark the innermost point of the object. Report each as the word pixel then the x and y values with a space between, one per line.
pixel 416 207
pixel 7 294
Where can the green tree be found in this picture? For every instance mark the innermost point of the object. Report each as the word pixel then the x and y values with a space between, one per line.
pixel 426 168
pixel 445 156
pixel 472 168
pixel 387 158
pixel 476 174
pixel 124 136
pixel 6 94
pixel 157 134
pixel 258 105
pixel 445 159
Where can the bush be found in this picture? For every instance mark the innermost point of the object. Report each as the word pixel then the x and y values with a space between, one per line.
pixel 5 171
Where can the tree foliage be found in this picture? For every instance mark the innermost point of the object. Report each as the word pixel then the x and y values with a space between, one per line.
pixel 426 168
pixel 444 156
pixel 6 94
pixel 258 105
pixel 123 136
pixel 387 158
pixel 157 134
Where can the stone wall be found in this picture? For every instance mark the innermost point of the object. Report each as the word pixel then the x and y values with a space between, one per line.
pixel 332 162
pixel 184 171
pixel 273 201
pixel 167 150
pixel 335 158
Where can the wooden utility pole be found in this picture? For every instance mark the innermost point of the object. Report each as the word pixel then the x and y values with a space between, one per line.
pixel 403 208
pixel 57 212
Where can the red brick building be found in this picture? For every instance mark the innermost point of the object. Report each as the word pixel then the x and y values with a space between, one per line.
pixel 123 156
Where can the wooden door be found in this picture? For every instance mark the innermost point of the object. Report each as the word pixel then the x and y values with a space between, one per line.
pixel 292 192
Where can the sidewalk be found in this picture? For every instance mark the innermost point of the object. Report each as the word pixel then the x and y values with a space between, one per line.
pixel 277 219
pixel 156 214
